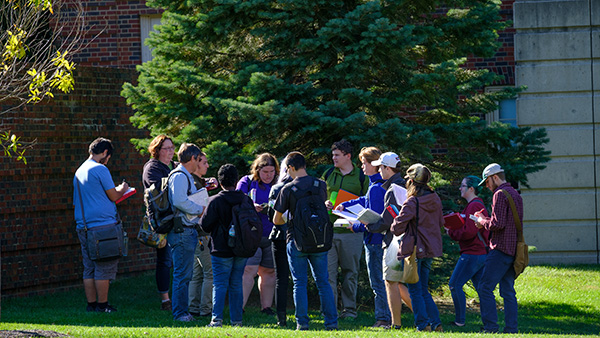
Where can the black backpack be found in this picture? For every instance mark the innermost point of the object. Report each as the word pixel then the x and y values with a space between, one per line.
pixel 310 226
pixel 158 207
pixel 245 231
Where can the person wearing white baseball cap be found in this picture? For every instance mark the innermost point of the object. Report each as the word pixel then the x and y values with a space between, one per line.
pixel 397 292
pixel 498 268
pixel 388 159
pixel 490 170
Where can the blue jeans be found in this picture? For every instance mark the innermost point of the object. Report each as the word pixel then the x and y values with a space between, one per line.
pixel 498 269
pixel 182 246
pixel 374 258
pixel 424 309
pixel 227 277
pixel 467 267
pixel 164 263
pixel 299 268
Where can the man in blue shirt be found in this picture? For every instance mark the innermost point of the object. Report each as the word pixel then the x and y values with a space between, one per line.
pixel 94 197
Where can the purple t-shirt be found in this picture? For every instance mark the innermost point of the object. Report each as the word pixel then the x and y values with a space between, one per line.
pixel 259 193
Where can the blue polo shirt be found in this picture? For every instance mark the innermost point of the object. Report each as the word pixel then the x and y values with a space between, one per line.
pixel 94 180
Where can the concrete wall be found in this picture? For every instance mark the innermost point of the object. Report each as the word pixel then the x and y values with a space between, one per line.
pixel 556 48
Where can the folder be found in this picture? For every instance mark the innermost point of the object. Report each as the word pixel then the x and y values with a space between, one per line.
pixel 126 195
pixel 454 221
pixel 344 196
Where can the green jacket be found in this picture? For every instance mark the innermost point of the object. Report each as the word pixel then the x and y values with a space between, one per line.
pixel 350 182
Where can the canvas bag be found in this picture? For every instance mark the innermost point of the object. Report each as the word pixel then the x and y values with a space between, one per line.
pixel 522 250
pixel 410 273
pixel 147 236
pixel 104 242
pixel 159 211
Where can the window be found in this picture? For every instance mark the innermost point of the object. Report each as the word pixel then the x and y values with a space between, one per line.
pixel 506 112
pixel 147 23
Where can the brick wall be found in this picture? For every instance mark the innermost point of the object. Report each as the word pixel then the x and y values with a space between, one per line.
pixel 40 249
pixel 503 63
pixel 117 27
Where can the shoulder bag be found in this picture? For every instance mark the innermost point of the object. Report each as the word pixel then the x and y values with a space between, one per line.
pixel 522 250
pixel 104 242
pixel 410 274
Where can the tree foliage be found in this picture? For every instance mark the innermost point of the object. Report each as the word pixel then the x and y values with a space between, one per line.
pixel 37 40
pixel 245 77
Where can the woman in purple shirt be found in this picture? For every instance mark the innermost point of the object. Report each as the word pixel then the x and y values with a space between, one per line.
pixel 258 186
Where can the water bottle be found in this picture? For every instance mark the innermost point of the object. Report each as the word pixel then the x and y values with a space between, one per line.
pixel 231 238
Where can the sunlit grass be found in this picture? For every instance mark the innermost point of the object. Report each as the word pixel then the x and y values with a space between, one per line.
pixel 553 302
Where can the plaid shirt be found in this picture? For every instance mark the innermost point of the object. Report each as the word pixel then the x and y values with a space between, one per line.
pixel 503 232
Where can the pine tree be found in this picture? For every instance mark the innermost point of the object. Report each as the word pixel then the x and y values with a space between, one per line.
pixel 243 77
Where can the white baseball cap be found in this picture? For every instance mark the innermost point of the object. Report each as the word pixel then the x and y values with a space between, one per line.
pixel 490 170
pixel 388 159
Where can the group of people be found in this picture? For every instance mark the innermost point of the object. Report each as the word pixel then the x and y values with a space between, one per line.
pixel 205 269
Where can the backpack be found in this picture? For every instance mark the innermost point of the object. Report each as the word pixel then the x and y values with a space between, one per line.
pixel 361 178
pixel 245 231
pixel 310 226
pixel 158 207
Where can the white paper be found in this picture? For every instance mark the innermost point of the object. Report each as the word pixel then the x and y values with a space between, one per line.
pixel 340 222
pixel 399 193
pixel 347 215
pixel 355 209
pixel 200 197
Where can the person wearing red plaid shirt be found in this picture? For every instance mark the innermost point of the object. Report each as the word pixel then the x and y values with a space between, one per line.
pixel 498 267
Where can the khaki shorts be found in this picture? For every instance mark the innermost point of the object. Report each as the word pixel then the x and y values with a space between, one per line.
pixel 105 270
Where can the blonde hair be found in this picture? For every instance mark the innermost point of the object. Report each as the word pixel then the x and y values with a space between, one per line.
pixel 261 161
pixel 369 153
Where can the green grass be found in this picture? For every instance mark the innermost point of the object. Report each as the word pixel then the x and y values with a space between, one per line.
pixel 559 301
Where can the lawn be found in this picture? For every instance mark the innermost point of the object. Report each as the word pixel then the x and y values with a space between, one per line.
pixel 562 301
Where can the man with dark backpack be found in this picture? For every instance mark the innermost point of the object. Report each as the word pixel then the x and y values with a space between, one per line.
pixel 308 237
pixel 235 231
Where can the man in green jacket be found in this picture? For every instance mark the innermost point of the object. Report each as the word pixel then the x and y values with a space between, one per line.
pixel 347 246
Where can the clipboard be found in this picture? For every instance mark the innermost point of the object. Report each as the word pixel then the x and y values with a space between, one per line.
pixel 126 195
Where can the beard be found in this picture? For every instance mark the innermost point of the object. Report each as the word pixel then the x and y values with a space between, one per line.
pixel 104 160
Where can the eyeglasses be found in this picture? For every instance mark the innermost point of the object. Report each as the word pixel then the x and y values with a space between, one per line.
pixel 167 148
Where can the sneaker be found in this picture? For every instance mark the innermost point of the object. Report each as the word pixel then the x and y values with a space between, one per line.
pixel 186 318
pixel 331 328
pixel 215 323
pixel 383 324
pixel 268 311
pixel 426 329
pixel 107 309
pixel 439 328
pixel 396 327
pixel 237 324
pixel 301 327
pixel 166 306
pixel 345 315
pixel 456 324
pixel 90 308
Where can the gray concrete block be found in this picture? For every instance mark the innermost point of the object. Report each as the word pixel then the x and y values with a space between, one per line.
pixel 553 77
pixel 551 14
pixel 535 46
pixel 575 140
pixel 564 236
pixel 553 205
pixel 562 108
pixel 564 173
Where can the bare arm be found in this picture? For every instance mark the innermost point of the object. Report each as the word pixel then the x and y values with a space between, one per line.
pixel 117 192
